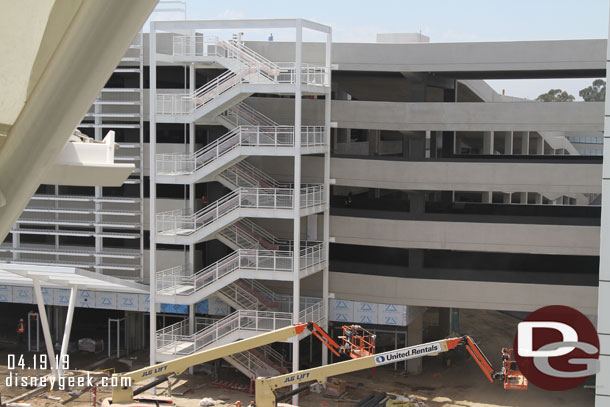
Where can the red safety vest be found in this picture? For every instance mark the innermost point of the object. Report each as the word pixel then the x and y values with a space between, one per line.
pixel 20 328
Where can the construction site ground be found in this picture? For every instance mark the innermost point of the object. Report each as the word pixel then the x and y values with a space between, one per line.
pixel 460 385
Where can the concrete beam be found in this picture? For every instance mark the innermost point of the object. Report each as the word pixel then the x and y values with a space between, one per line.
pixel 461 294
pixel 467 236
pixel 400 116
pixel 501 59
pixel 467 176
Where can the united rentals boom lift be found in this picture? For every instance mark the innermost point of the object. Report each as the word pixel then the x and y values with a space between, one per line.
pixel 355 341
pixel 267 387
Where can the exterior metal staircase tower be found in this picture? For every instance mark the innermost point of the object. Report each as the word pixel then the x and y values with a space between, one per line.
pixel 238 278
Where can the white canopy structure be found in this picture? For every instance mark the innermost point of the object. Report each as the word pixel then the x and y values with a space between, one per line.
pixel 56 56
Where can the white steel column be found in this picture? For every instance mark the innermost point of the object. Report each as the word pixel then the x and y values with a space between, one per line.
pixel 326 227
pixel 191 259
pixel 45 325
pixel 296 283
pixel 602 390
pixel 68 327
pixel 153 190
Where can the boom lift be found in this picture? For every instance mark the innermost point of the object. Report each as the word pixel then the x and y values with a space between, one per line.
pixel 161 371
pixel 266 387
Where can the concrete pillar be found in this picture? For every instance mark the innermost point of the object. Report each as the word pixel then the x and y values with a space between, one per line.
pixel 444 321
pixel 417 145
pixel 417 202
pixel 488 143
pixel 539 145
pixel 486 197
pixel 508 143
pixel 415 336
pixel 374 142
pixel 525 143
pixel 416 258
pixel 312 227
pixel 523 197
pixel 448 149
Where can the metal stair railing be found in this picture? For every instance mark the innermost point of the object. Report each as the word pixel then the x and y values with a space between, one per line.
pixel 175 164
pixel 312 196
pixel 310 74
pixel 195 45
pixel 246 56
pixel 239 298
pixel 312 255
pixel 187 103
pixel 183 222
pixel 247 136
pixel 256 236
pixel 177 281
pixel 241 239
pixel 276 359
pixel 179 331
pixel 244 114
pixel 244 174
pixel 259 297
pixel 248 320
pixel 250 363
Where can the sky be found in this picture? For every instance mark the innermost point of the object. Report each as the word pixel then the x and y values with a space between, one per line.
pixel 441 20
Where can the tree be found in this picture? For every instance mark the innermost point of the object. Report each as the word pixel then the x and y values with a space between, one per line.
pixel 555 95
pixel 594 93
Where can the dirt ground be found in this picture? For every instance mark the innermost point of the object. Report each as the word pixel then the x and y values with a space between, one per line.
pixel 460 385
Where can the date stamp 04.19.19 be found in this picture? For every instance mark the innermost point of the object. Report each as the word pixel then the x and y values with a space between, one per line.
pixel 29 371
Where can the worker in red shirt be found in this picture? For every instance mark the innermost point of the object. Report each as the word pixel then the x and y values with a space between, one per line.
pixel 20 331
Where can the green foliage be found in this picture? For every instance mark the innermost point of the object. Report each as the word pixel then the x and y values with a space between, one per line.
pixel 555 95
pixel 594 93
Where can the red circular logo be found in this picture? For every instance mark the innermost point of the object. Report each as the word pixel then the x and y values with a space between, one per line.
pixel 556 348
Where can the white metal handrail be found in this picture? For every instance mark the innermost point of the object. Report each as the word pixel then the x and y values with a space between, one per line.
pixel 180 330
pixel 244 114
pixel 244 174
pixel 247 136
pixel 275 357
pixel 244 55
pixel 310 74
pixel 177 281
pixel 195 45
pixel 249 320
pixel 239 298
pixel 184 222
pixel 250 363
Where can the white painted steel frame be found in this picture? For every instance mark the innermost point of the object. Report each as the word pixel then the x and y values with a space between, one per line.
pixel 298 25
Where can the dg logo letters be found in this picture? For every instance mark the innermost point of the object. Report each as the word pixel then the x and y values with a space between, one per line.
pixel 557 348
